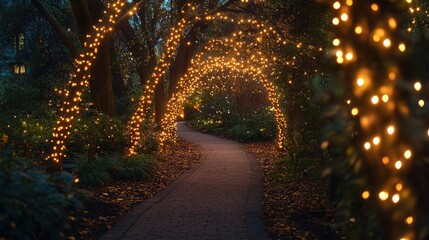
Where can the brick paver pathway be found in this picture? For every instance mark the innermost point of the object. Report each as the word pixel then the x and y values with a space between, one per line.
pixel 218 199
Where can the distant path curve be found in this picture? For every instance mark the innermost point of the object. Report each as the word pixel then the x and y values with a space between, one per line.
pixel 221 198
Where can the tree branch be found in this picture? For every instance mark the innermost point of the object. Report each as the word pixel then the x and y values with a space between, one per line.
pixel 62 34
pixel 223 8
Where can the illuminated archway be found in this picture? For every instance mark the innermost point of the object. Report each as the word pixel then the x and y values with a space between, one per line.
pixel 190 83
pixel 80 78
pixel 147 99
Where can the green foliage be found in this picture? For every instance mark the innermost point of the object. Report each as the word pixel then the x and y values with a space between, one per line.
pixel 96 133
pixel 136 168
pixel 150 142
pixel 27 136
pixel 34 205
pixel 102 169
pixel 221 114
pixel 94 171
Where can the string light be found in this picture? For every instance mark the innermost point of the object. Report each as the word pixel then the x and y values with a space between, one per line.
pixel 377 108
pixel 191 82
pixel 147 98
pixel 80 79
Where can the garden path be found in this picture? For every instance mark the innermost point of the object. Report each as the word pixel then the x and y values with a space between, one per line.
pixel 219 198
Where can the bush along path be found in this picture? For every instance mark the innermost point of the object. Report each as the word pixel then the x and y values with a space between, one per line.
pixel 221 198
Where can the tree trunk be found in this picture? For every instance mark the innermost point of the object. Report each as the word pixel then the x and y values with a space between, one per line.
pixel 100 84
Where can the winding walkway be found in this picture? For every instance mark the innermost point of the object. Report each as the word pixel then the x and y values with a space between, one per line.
pixel 218 199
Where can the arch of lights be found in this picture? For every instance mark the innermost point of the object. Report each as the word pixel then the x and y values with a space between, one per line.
pixel 192 83
pixel 252 64
pixel 147 98
pixel 80 78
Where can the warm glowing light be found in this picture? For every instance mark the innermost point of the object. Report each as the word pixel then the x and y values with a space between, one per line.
pixel 344 17
pixel 383 195
pixel 409 220
pixel 349 56
pixel 375 99
pixel 355 111
pixel 421 102
pixel 417 86
pixel 376 140
pixel 390 130
pixel 365 195
pixel 395 198
pixel 360 82
pixel 335 21
pixel 387 43
pixel 374 7
pixel 398 187
pixel 392 23
pixel 385 160
pixel 336 42
pixel 367 145
pixel 337 5
pixel 385 98
pixel 402 47
pixel 407 154
pixel 358 30
pixel 398 165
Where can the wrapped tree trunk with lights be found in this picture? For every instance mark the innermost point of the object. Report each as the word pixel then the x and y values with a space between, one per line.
pixel 384 133
pixel 87 14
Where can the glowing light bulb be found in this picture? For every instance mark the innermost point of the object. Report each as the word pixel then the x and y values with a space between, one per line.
pixel 387 43
pixel 349 56
pixel 367 145
pixel 376 140
pixel 337 5
pixel 398 187
pixel 358 30
pixel 360 82
pixel 375 99
pixel 395 198
pixel 383 195
pixel 336 42
pixel 365 195
pixel 417 86
pixel 390 130
pixel 385 160
pixel 407 154
pixel 398 165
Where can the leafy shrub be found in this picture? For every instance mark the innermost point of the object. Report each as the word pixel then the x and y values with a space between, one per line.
pixel 94 171
pixel 104 168
pixel 257 126
pixel 135 168
pixel 27 136
pixel 34 205
pixel 96 133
